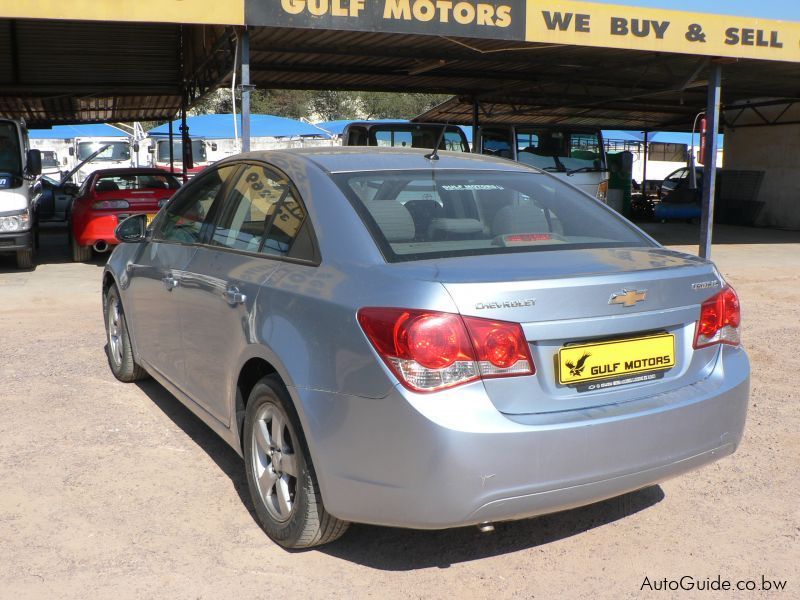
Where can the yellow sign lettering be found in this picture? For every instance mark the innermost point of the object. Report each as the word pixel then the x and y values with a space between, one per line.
pixel 397 9
pixel 293 7
pixel 464 13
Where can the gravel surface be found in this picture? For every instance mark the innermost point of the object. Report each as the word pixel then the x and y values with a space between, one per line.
pixel 114 490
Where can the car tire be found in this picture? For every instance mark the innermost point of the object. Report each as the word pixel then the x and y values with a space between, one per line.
pixel 79 253
pixel 26 258
pixel 118 342
pixel 281 478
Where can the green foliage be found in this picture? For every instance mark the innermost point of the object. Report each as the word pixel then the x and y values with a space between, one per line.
pixel 325 105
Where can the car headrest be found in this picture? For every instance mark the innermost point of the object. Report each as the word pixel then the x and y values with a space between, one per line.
pixel 106 185
pixel 444 228
pixel 517 218
pixel 394 220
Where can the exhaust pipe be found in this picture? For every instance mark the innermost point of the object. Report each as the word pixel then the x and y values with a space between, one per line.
pixel 100 246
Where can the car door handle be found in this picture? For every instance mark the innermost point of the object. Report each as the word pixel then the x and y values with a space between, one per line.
pixel 233 296
pixel 170 282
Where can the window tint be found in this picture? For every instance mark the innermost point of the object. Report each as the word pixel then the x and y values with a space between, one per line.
pixel 9 149
pixel 418 136
pixel 184 218
pixel 262 214
pixel 495 142
pixel 415 215
pixel 136 182
pixel 559 150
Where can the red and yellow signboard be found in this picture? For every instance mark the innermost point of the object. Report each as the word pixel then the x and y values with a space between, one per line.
pixel 571 22
pixel 548 21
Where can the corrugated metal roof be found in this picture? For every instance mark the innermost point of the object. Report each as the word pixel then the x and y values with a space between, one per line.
pixel 60 72
pixel 515 81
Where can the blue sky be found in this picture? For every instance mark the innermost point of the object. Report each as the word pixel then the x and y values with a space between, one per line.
pixel 787 10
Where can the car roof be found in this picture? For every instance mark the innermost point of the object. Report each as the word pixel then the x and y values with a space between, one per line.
pixel 132 171
pixel 372 158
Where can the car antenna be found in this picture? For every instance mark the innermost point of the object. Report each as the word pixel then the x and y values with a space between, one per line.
pixel 435 154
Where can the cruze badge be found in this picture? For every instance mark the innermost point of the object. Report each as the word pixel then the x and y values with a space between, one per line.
pixel 705 285
pixel 628 297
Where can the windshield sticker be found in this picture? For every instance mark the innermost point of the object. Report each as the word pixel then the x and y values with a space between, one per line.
pixel 460 187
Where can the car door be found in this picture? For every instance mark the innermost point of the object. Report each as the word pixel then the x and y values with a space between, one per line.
pixel 257 223
pixel 155 284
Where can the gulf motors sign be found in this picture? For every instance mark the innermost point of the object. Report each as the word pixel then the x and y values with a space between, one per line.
pixel 556 22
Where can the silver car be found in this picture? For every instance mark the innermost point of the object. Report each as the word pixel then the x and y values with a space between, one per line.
pixel 424 340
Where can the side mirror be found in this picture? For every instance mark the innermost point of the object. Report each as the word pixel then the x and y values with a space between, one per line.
pixel 132 230
pixel 34 162
pixel 71 151
pixel 213 146
pixel 151 149
pixel 136 146
pixel 64 161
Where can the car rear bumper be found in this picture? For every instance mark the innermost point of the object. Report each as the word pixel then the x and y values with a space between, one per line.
pixel 96 227
pixel 450 459
pixel 18 240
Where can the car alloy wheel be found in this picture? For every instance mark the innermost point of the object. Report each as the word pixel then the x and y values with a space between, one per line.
pixel 114 323
pixel 275 463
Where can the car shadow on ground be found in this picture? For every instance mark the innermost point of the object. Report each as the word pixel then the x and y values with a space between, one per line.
pixel 53 249
pixel 393 549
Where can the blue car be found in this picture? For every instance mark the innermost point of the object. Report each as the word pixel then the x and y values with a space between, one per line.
pixel 424 339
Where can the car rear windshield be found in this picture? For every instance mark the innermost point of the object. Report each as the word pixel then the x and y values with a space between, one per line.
pixel 154 181
pixel 416 215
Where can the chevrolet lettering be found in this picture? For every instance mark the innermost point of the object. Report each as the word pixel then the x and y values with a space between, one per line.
pixel 505 304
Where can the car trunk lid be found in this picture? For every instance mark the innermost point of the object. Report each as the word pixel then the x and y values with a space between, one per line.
pixel 579 298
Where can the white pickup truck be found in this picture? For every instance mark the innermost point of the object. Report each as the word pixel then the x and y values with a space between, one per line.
pixel 19 167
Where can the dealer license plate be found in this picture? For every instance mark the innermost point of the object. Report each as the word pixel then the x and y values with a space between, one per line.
pixel 603 360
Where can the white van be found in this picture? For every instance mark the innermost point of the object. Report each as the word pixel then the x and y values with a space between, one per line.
pixel 19 167
pixel 575 154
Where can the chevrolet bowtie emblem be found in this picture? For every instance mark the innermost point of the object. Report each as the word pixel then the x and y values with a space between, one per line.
pixel 628 297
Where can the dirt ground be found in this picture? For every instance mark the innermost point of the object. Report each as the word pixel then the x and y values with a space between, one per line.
pixel 116 491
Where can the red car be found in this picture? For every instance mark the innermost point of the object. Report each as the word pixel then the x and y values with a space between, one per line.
pixel 107 197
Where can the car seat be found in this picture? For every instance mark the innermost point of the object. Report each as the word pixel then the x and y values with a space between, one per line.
pixel 106 185
pixel 394 220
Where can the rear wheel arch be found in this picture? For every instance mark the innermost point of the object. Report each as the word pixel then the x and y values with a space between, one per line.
pixel 251 372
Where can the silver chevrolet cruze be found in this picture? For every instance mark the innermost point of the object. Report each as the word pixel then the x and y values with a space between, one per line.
pixel 425 341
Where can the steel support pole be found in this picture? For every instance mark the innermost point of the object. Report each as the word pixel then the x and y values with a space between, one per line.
pixel 475 124
pixel 171 155
pixel 245 54
pixel 186 144
pixel 644 167
pixel 710 167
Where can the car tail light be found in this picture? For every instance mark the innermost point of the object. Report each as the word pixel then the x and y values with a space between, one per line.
pixel 500 347
pixel 719 320
pixel 111 204
pixel 430 350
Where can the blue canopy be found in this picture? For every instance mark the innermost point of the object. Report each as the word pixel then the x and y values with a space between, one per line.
pixel 69 132
pixel 221 127
pixel 662 137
